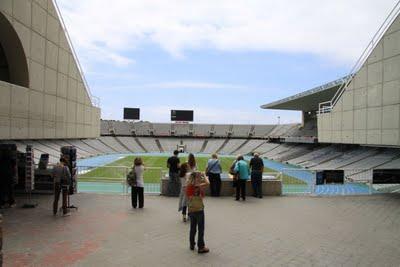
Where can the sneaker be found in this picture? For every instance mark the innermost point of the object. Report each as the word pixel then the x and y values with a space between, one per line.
pixel 203 250
pixel 67 214
pixel 184 219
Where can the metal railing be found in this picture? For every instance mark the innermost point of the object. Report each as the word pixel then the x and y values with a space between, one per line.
pixel 113 179
pixel 355 182
pixel 326 107
pixel 94 99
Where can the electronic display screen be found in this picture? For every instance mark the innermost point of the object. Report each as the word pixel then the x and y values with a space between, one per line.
pixel 181 115
pixel 131 114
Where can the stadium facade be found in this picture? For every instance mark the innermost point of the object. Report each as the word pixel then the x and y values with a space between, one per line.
pixel 368 111
pixel 43 93
pixel 364 107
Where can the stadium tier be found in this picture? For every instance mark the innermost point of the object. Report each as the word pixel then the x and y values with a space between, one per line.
pixel 125 128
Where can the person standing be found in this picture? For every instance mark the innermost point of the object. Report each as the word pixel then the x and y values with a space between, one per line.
pixel 137 190
pixel 192 163
pixel 257 169
pixel 213 172
pixel 195 193
pixel 183 175
pixel 243 172
pixel 174 185
pixel 62 181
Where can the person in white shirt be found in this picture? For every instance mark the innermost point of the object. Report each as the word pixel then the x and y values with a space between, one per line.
pixel 138 187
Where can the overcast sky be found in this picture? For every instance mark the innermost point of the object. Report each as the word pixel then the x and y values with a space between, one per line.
pixel 222 58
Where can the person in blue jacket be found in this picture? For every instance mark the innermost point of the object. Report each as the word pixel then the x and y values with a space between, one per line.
pixel 243 171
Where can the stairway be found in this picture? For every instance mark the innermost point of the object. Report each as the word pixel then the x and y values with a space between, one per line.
pixel 140 144
pixel 239 147
pixel 203 147
pixel 159 146
pixel 222 146
pixel 122 144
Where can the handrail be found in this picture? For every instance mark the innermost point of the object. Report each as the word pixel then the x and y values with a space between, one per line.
pixel 94 99
pixel 326 107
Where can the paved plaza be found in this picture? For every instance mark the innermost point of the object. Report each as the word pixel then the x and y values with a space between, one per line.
pixel 274 231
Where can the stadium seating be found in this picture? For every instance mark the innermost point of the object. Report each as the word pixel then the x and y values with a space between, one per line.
pixel 231 146
pixel 349 157
pixel 100 146
pixel 193 145
pixel 250 146
pixel 213 145
pixel 266 147
pixel 142 128
pixel 162 129
pixel 169 144
pixel 114 144
pixel 149 144
pixel 261 131
pixel 241 130
pixel 201 130
pixel 130 143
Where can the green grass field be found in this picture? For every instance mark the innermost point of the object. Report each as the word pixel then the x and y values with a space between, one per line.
pixel 156 167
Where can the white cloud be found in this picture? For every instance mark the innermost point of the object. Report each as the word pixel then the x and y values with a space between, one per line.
pixel 336 30
pixel 176 85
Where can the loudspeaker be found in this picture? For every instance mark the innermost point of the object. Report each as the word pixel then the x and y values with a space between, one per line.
pixel 8 163
pixel 44 161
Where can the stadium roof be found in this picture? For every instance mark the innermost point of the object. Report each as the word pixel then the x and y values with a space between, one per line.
pixel 308 100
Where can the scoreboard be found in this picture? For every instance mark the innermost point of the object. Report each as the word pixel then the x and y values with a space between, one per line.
pixel 181 115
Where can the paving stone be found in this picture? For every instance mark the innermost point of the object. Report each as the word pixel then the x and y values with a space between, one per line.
pixel 274 231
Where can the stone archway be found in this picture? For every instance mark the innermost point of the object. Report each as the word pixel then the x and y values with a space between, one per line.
pixel 13 63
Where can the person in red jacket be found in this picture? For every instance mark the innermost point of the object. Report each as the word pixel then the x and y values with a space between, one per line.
pixel 195 193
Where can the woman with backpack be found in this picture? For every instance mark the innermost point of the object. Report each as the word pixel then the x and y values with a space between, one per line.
pixel 135 180
pixel 192 163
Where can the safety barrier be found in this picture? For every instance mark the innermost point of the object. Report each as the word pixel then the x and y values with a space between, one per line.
pixel 113 179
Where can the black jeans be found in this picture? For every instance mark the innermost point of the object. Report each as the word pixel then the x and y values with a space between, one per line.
pixel 58 189
pixel 184 208
pixel 137 192
pixel 215 184
pixel 197 221
pixel 241 189
pixel 256 182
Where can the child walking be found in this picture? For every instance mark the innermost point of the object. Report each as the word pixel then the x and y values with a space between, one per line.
pixel 195 193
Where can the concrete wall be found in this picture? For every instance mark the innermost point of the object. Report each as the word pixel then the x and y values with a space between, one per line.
pixel 269 188
pixel 56 103
pixel 368 111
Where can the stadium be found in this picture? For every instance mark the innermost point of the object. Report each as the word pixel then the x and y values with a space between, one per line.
pixel 347 143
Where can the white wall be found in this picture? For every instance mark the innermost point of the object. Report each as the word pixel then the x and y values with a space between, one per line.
pixel 368 112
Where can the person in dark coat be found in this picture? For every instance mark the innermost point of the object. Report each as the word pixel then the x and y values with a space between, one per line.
pixel 257 169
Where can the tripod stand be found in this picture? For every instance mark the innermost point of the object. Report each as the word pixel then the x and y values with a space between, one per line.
pixel 65 188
